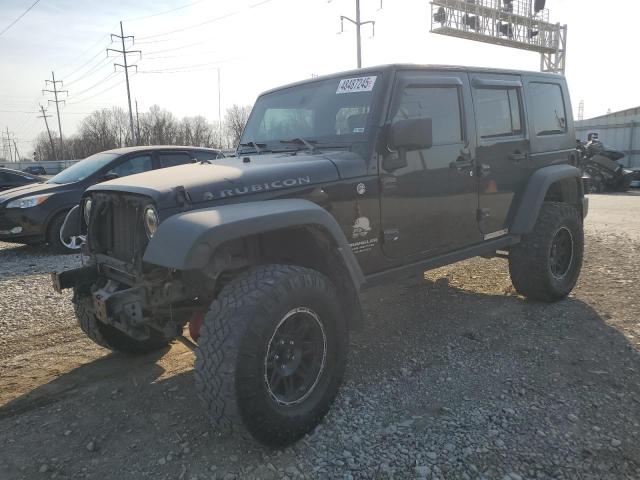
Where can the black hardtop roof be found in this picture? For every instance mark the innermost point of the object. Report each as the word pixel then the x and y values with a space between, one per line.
pixel 361 72
pixel 146 148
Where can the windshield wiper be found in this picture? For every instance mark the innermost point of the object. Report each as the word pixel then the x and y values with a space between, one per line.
pixel 258 147
pixel 309 145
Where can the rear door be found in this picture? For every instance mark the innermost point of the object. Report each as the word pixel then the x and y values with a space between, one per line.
pixel 429 205
pixel 553 137
pixel 503 148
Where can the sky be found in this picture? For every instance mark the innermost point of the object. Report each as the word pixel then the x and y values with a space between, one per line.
pixel 261 44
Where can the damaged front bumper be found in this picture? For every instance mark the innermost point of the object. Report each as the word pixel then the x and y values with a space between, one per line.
pixel 131 304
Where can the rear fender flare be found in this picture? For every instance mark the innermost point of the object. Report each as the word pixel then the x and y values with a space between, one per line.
pixel 534 194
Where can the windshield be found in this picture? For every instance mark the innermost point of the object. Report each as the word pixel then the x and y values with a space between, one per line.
pixel 327 111
pixel 84 168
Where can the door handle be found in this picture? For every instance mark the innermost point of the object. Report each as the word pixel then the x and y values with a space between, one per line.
pixel 518 157
pixel 461 163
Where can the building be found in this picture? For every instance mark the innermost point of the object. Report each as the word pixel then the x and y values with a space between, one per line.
pixel 619 130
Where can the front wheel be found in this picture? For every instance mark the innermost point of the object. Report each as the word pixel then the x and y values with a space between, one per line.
pixel 545 266
pixel 272 353
pixel 60 242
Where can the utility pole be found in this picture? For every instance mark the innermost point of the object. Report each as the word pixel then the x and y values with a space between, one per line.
pixel 6 141
pixel 137 121
pixel 55 92
pixel 126 67
pixel 45 116
pixel 17 153
pixel 358 23
pixel 219 108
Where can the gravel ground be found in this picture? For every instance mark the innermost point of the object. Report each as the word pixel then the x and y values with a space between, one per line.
pixel 453 377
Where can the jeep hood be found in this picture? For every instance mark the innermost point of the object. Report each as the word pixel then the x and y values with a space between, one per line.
pixel 231 178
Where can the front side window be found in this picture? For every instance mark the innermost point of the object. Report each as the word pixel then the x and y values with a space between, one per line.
pixel 84 168
pixel 549 115
pixel 133 165
pixel 498 112
pixel 440 104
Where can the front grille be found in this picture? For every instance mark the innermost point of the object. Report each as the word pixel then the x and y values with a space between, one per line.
pixel 126 221
pixel 116 226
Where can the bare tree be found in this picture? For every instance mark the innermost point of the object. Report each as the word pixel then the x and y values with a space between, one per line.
pixel 42 147
pixel 159 127
pixel 235 119
pixel 108 128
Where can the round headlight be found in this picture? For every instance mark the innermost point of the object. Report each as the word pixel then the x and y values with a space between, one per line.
pixel 150 221
pixel 87 211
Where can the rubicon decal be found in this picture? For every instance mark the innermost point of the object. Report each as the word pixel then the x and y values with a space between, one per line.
pixel 264 187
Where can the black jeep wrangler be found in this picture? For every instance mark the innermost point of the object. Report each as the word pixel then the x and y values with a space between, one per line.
pixel 340 183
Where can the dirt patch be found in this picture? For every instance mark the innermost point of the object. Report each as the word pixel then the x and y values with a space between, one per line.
pixel 452 377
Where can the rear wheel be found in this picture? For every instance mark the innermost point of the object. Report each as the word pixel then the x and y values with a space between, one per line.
pixel 108 336
pixel 60 242
pixel 546 264
pixel 272 353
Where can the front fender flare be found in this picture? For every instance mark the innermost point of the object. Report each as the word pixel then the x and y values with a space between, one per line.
pixel 535 192
pixel 186 241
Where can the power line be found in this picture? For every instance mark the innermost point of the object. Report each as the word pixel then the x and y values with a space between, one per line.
pixel 16 111
pixel 18 19
pixel 182 47
pixel 94 45
pixel 98 93
pixel 108 77
pixel 206 22
pixel 135 19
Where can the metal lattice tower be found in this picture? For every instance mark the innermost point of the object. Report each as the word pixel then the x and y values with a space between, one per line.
pixel 508 23
pixel 581 110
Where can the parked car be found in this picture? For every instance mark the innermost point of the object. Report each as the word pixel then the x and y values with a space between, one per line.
pixel 635 182
pixel 35 170
pixel 10 178
pixel 35 213
pixel 341 183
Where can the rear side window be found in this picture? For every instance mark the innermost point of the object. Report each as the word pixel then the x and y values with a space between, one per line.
pixel 549 114
pixel 498 112
pixel 133 165
pixel 440 104
pixel 208 155
pixel 173 159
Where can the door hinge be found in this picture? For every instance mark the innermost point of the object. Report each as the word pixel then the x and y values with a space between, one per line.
pixel 483 213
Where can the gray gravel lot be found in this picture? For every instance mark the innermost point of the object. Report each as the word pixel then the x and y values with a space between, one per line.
pixel 453 377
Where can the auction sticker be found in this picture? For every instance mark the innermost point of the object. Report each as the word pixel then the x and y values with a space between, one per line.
pixel 359 84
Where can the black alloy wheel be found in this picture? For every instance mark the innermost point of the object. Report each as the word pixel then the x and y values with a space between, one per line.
pixel 295 357
pixel 561 253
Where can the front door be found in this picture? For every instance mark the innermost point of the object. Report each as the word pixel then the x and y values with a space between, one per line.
pixel 502 155
pixel 429 200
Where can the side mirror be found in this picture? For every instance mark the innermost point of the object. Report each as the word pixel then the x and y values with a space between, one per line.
pixel 110 176
pixel 412 134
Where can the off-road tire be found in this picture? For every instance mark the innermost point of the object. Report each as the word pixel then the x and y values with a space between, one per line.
pixel 529 261
pixel 110 337
pixel 53 235
pixel 236 337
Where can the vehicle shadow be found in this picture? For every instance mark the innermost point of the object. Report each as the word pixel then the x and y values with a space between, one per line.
pixel 473 346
